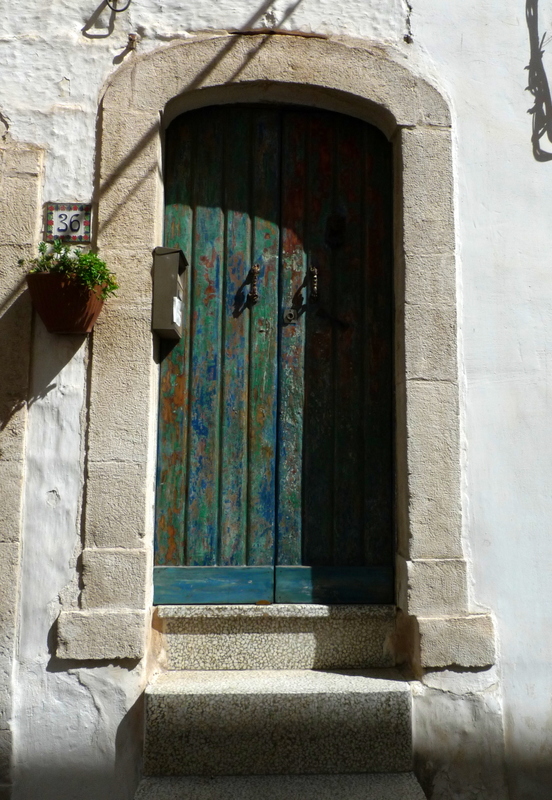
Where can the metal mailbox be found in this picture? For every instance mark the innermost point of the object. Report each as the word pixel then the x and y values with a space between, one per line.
pixel 169 264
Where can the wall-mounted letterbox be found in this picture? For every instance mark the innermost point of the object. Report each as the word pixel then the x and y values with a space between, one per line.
pixel 168 266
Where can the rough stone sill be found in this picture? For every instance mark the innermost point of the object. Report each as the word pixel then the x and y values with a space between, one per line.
pixel 465 641
pixel 283 610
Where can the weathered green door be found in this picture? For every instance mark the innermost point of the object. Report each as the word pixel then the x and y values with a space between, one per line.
pixel 275 466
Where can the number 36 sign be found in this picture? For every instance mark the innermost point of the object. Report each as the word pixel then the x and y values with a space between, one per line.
pixel 68 221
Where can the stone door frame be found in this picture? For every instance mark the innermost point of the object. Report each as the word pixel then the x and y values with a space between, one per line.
pixel 374 84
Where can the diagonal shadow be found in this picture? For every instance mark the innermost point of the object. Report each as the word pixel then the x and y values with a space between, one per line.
pixel 197 81
pixel 538 84
pixel 15 341
pixel 200 77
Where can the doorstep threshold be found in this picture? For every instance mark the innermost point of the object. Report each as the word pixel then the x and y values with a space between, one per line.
pixel 278 610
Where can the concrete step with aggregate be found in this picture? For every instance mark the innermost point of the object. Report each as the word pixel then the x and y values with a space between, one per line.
pixel 279 636
pixel 261 722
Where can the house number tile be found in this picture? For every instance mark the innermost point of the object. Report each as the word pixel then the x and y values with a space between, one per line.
pixel 68 221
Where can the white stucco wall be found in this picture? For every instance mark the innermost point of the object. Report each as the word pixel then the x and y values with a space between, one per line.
pixel 54 62
pixel 73 723
pixel 504 206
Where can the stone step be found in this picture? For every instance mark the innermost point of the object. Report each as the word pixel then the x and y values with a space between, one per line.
pixel 277 722
pixel 276 636
pixel 402 786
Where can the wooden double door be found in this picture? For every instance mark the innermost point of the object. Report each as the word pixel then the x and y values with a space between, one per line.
pixel 275 466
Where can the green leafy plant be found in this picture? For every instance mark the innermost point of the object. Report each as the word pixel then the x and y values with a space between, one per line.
pixel 85 268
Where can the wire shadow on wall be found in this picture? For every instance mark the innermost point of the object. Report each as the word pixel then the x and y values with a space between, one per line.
pixel 538 84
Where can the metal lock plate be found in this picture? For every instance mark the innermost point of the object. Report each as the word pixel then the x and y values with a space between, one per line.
pixel 290 315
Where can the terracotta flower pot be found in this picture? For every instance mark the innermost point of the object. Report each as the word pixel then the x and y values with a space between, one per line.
pixel 63 305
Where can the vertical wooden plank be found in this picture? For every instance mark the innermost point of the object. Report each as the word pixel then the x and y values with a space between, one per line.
pixel 263 340
pixel 234 417
pixel 293 297
pixel 378 351
pixel 318 470
pixel 349 292
pixel 202 514
pixel 173 395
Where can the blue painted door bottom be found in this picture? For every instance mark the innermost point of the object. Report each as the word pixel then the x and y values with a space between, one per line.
pixel 260 585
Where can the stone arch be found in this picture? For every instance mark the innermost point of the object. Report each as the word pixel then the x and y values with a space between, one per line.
pixel 354 78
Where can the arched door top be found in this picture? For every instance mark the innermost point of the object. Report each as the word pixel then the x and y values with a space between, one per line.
pixel 340 75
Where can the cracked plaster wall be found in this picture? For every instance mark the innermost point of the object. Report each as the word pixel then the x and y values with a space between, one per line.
pixel 476 53
pixel 458 734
